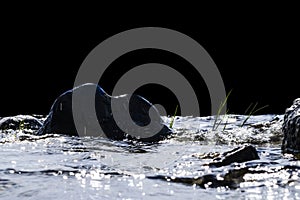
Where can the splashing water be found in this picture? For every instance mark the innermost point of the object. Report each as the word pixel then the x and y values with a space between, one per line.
pixel 59 167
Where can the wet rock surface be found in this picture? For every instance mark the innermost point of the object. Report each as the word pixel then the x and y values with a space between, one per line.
pixel 20 122
pixel 239 155
pixel 60 119
pixel 291 129
pixel 230 179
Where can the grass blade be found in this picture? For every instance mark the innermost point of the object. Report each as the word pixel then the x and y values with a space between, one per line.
pixel 173 118
pixel 252 112
pixel 221 107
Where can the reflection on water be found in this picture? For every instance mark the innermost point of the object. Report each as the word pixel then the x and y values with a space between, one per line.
pixel 59 167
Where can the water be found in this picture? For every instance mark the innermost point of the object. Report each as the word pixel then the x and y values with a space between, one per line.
pixel 59 167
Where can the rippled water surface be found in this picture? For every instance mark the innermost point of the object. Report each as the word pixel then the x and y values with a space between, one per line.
pixel 60 167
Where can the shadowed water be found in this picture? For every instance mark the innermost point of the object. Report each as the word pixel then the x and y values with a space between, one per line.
pixel 59 167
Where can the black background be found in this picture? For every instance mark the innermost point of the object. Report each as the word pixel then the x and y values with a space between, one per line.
pixel 257 58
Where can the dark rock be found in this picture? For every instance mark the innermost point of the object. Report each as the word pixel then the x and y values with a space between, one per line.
pixel 291 129
pixel 60 119
pixel 20 122
pixel 230 179
pixel 239 155
pixel 210 179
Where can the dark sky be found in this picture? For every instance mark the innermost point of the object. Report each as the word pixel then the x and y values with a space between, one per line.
pixel 257 58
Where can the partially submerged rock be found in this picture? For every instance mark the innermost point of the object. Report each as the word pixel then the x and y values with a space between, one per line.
pixel 239 155
pixel 20 122
pixel 60 119
pixel 231 178
pixel 291 129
